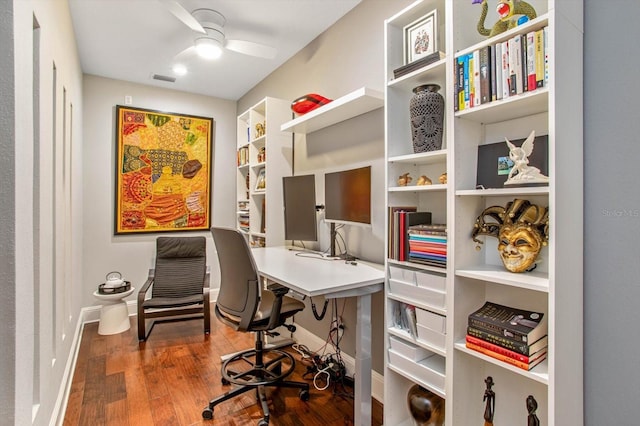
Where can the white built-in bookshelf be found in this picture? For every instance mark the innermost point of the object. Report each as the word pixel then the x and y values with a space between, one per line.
pixel 446 296
pixel 262 157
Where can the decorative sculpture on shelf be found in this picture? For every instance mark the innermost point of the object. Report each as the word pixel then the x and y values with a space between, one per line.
pixel 490 401
pixel 404 180
pixel 443 178
pixel 423 180
pixel 522 172
pixel 522 229
pixel 260 129
pixel 511 14
pixel 532 406
pixel 426 408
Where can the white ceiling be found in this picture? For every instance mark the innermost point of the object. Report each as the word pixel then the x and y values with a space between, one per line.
pixel 131 40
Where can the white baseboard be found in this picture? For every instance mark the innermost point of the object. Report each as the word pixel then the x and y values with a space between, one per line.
pixel 311 341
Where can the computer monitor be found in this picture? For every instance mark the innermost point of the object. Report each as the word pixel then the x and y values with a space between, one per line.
pixel 347 196
pixel 299 195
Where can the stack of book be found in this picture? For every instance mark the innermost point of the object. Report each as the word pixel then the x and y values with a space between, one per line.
pixel 512 335
pixel 400 220
pixel 428 244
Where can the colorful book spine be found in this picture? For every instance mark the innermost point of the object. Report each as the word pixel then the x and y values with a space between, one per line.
pixel 511 344
pixel 523 365
pixel 485 74
pixel 460 77
pixel 539 49
pixel 500 350
pixel 467 84
pixel 476 95
pixel 531 61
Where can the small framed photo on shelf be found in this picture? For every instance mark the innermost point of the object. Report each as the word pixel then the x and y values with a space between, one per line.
pixel 261 181
pixel 421 37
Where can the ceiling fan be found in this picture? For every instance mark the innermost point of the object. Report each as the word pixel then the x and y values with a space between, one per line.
pixel 211 40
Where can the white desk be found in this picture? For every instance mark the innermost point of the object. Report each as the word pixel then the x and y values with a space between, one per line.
pixel 332 279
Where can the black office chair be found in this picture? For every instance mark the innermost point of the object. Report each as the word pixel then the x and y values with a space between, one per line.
pixel 179 284
pixel 244 305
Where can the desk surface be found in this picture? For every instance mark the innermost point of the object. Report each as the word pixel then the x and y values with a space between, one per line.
pixel 312 275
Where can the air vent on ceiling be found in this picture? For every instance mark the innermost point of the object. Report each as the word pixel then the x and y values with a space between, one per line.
pixel 163 78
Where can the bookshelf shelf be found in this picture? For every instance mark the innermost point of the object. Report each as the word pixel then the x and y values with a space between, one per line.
pixel 474 277
pixel 539 373
pixel 351 105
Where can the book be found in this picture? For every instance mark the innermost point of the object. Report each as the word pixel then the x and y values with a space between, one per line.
pixel 523 62
pixel 467 80
pixel 539 49
pixel 545 48
pixel 497 53
pixel 524 365
pixel 411 219
pixel 393 228
pixel 423 62
pixel 515 64
pixel 507 343
pixel 485 74
pixel 504 351
pixel 474 70
pixel 515 323
pixel 531 61
pixel 492 67
pixel 460 81
pixel 506 80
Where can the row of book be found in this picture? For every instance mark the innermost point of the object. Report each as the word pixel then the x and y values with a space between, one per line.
pixel 515 336
pixel 503 69
pixel 243 156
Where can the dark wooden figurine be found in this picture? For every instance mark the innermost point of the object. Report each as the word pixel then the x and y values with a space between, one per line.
pixel 490 400
pixel 532 406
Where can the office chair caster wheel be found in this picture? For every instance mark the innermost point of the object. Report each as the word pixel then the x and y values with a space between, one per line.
pixel 263 422
pixel 304 395
pixel 207 413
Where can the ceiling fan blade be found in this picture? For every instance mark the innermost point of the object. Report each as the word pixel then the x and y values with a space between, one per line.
pixel 183 15
pixel 251 48
pixel 186 54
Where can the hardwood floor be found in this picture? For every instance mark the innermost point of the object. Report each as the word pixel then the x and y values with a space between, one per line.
pixel 168 380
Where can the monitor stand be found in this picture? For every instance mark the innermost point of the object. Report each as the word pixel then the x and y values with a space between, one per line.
pixel 344 256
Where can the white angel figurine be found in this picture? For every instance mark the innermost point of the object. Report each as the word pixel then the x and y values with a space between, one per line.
pixel 522 172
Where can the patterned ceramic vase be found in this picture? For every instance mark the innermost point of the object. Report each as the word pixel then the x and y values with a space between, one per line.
pixel 427 118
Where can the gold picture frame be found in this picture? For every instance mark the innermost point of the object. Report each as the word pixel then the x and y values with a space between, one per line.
pixel 163 171
pixel 421 37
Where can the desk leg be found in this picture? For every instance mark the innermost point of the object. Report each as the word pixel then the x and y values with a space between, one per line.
pixel 362 399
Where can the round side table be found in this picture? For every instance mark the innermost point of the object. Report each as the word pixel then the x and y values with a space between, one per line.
pixel 114 315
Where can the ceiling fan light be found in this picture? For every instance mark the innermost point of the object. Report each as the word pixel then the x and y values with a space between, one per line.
pixel 208 48
pixel 179 69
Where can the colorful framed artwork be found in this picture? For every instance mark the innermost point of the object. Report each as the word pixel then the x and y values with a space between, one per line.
pixel 421 37
pixel 163 173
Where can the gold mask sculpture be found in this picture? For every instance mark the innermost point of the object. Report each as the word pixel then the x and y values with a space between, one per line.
pixel 522 229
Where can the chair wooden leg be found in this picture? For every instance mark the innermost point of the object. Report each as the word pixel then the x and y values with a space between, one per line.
pixel 142 332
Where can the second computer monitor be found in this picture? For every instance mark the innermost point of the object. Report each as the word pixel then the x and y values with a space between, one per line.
pixel 299 195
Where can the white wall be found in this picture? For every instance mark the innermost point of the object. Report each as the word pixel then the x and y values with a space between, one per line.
pixel 349 55
pixel 611 212
pixel 133 255
pixel 47 228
